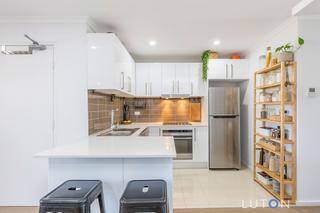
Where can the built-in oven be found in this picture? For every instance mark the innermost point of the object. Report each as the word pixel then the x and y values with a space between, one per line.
pixel 183 142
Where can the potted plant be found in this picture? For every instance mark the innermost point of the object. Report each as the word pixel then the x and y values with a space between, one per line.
pixel 205 61
pixel 286 52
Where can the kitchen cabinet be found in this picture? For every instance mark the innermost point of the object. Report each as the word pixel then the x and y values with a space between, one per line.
pixel 111 68
pixel 168 78
pixel 182 80
pixel 223 69
pixel 197 85
pixel 148 79
pixel 200 144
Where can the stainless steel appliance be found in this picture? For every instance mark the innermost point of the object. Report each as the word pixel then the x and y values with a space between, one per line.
pixel 183 142
pixel 224 128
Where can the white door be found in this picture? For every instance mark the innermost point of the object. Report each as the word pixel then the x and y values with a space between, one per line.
pixel 219 69
pixel 26 126
pixel 182 83
pixel 168 78
pixel 239 69
pixel 155 77
pixel 142 79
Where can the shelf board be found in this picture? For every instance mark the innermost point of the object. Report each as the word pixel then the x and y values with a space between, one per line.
pixel 269 86
pixel 270 190
pixel 269 69
pixel 264 146
pixel 273 174
pixel 274 140
pixel 272 121
pixel 272 103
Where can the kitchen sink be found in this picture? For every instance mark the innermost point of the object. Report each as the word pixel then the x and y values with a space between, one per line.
pixel 120 132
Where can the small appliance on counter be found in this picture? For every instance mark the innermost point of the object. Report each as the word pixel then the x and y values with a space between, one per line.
pixel 126 114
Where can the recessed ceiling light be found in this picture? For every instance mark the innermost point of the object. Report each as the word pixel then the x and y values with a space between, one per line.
pixel 216 42
pixel 152 43
pixel 93 47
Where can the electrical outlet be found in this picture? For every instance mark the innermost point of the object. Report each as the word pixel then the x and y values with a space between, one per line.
pixel 137 113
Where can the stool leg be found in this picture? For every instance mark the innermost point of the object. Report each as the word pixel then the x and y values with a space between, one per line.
pixel 101 202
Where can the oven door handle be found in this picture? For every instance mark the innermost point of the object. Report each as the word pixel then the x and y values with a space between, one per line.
pixel 182 138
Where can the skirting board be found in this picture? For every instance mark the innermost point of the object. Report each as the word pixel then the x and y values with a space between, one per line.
pixel 189 165
pixel 308 203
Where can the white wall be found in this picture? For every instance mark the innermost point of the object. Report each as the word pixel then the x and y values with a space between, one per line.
pixel 308 159
pixel 70 72
pixel 69 41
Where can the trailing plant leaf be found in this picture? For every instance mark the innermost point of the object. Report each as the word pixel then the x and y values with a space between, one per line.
pixel 300 41
pixel 205 60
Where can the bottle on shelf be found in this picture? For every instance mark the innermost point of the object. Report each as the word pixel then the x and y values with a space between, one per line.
pixel 261 157
pixel 268 56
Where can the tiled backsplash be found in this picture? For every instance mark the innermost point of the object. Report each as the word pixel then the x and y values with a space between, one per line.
pixel 150 109
pixel 99 108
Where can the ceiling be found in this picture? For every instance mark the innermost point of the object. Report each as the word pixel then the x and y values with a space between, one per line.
pixel 182 28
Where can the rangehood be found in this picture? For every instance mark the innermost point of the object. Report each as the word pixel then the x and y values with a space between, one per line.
pixel 175 96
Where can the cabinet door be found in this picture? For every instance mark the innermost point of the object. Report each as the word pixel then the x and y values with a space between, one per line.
pixel 142 77
pixel 101 59
pixel 195 76
pixel 200 144
pixel 239 69
pixel 168 78
pixel 182 82
pixel 218 69
pixel 155 77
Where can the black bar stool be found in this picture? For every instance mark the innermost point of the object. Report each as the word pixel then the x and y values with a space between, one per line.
pixel 145 196
pixel 73 196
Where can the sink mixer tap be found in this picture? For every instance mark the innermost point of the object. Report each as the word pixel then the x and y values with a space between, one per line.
pixel 113 123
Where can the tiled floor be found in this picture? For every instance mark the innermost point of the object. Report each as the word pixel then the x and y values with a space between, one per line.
pixel 202 188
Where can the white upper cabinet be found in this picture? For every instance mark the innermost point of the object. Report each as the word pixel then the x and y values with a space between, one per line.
pixel 111 69
pixel 148 79
pixel 168 78
pixel 228 69
pixel 182 81
pixel 197 85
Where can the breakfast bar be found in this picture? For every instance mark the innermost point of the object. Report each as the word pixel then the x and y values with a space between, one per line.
pixel 115 161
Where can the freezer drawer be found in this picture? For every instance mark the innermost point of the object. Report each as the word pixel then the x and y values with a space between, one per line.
pixel 224 100
pixel 224 142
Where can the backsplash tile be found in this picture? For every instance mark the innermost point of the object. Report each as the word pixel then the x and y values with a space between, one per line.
pixel 151 110
pixel 99 114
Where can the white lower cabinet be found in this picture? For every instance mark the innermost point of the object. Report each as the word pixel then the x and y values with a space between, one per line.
pixel 200 144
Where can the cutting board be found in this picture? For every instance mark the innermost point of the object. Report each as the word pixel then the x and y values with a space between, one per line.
pixel 195 112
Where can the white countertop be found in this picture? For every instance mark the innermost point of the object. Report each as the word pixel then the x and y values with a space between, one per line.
pixel 115 147
pixel 133 146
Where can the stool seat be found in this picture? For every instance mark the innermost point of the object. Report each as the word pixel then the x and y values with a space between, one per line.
pixel 144 196
pixel 73 196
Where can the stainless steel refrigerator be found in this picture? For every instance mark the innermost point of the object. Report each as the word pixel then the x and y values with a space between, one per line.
pixel 224 128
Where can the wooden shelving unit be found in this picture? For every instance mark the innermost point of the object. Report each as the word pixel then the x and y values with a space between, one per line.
pixel 259 144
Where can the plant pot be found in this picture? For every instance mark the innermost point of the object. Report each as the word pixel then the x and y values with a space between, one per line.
pixel 214 55
pixel 285 56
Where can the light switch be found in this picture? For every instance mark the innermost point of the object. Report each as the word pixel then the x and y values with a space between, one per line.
pixel 312 91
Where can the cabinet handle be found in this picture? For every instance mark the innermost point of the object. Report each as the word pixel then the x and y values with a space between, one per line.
pixel 178 87
pixel 146 89
pixel 195 134
pixel 232 71
pixel 227 70
pixel 122 84
pixel 150 88
pixel 172 87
